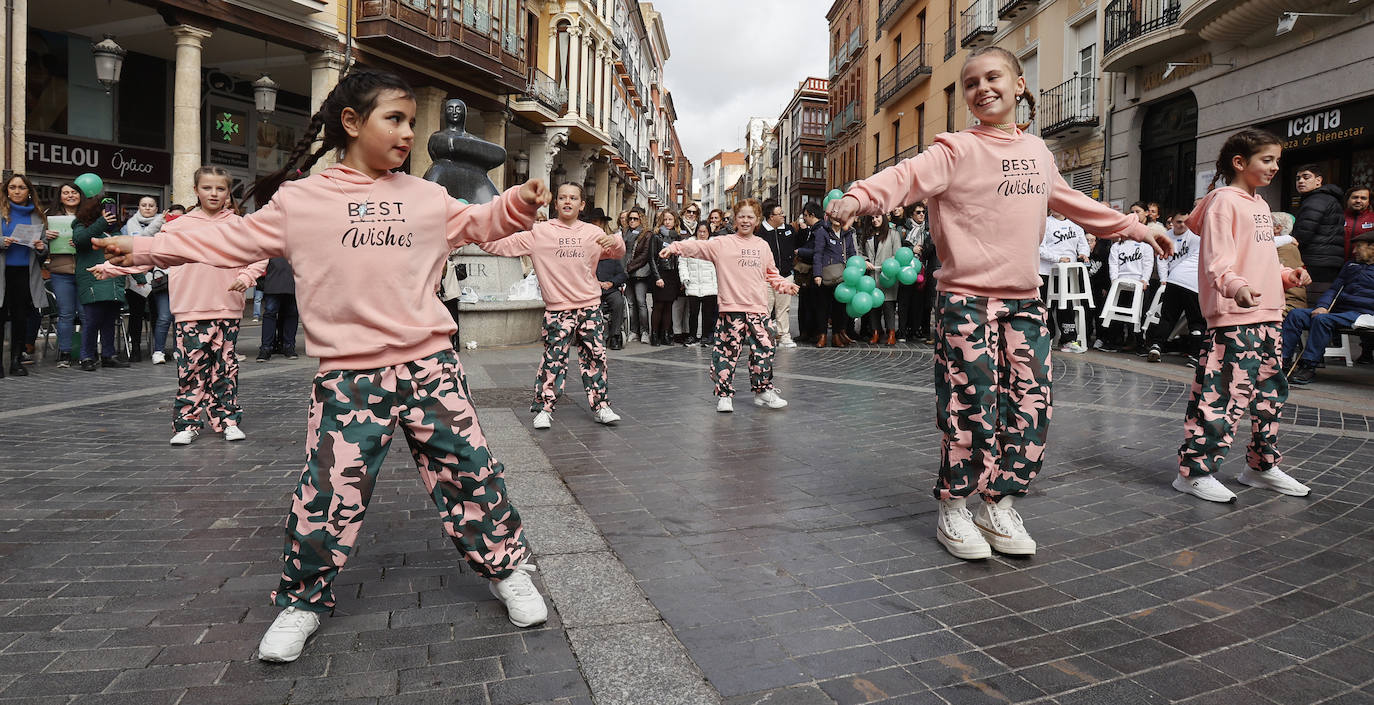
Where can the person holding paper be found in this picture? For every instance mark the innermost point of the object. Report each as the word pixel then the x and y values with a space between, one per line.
pixel 62 267
pixel 22 224
pixel 139 287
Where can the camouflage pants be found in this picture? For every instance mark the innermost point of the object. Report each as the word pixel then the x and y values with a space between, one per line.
pixel 992 386
pixel 733 330
pixel 354 414
pixel 207 374
pixel 1239 370
pixel 560 329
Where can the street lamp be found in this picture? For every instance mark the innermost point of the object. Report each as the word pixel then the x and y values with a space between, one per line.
pixel 1288 19
pixel 265 95
pixel 109 60
pixel 1170 67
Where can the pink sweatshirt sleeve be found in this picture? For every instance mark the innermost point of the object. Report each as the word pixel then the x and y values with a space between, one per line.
pixel 229 243
pixel 517 245
pixel 1218 224
pixel 774 278
pixel 249 275
pixel 616 250
pixel 105 270
pixel 1095 217
pixel 908 181
pixel 700 249
pixel 488 221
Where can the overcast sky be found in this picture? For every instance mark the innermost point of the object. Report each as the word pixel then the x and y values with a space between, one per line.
pixel 737 59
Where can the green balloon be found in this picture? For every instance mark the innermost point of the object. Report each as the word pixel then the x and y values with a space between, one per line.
pixel 835 193
pixel 908 275
pixel 867 283
pixel 891 267
pixel 844 293
pixel 852 275
pixel 878 297
pixel 886 282
pixel 463 201
pixel 863 301
pixel 857 261
pixel 854 311
pixel 916 264
pixel 825 203
pixel 905 255
pixel 90 184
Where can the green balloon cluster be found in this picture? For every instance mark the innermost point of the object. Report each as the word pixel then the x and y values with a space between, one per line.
pixel 90 184
pixel 834 195
pixel 861 293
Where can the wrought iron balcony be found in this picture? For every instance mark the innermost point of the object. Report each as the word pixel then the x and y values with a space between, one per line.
pixel 843 120
pixel 951 45
pixel 546 91
pixel 844 52
pixel 892 160
pixel 1011 9
pixel 1130 19
pixel 445 37
pixel 977 24
pixel 1069 108
pixel 908 73
pixel 889 9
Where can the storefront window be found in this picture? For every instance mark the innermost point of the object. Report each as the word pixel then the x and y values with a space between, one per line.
pixel 275 142
pixel 143 102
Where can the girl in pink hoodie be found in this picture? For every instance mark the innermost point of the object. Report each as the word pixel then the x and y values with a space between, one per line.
pixel 1240 289
pixel 367 245
pixel 987 189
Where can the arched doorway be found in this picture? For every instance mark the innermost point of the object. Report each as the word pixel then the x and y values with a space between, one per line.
pixel 1168 151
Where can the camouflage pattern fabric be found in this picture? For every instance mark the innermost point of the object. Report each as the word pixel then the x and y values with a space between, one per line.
pixel 353 416
pixel 560 329
pixel 207 374
pixel 993 402
pixel 1239 370
pixel 733 330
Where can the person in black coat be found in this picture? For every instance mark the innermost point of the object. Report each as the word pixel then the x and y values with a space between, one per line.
pixel 1320 228
pixel 611 273
pixel 280 319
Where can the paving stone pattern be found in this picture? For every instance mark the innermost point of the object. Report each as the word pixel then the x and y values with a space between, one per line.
pixel 792 551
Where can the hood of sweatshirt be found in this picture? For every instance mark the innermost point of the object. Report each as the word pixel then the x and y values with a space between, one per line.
pixel 349 175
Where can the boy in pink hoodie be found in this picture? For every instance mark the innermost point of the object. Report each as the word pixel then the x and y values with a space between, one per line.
pixel 987 189
pixel 565 251
pixel 367 245
pixel 1240 289
pixel 743 261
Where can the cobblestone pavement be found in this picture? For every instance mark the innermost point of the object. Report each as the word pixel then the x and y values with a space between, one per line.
pixel 790 552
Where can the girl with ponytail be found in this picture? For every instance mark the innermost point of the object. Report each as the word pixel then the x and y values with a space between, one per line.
pixel 988 189
pixel 367 245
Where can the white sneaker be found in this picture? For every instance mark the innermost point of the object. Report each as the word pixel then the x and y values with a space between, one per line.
pixel 1073 347
pixel 159 358
pixel 1002 528
pixel 604 415
pixel 787 343
pixel 725 405
pixel 770 399
pixel 955 530
pixel 234 433
pixel 1273 479
pixel 184 437
pixel 644 338
pixel 285 639
pixel 1205 487
pixel 524 606
pixel 543 419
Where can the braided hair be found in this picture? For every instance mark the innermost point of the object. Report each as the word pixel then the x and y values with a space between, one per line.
pixel 1015 64
pixel 359 90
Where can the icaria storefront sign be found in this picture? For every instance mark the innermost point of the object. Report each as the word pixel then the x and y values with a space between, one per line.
pixel 57 155
pixel 1337 123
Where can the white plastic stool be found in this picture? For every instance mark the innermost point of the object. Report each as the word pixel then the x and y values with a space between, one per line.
pixel 1156 306
pixel 1345 349
pixel 1131 313
pixel 1068 288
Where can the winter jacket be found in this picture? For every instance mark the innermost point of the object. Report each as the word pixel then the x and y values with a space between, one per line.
pixel 1356 286
pixel 876 251
pixel 1356 225
pixel 613 271
pixel 279 279
pixel 20 215
pixel 698 276
pixel 631 238
pixel 1320 231
pixel 830 248
pixel 783 242
pixel 90 290
pixel 659 265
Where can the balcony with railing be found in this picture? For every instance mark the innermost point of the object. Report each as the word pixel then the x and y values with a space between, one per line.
pixel 977 24
pixel 447 37
pixel 1140 32
pixel 888 10
pixel 1011 9
pixel 951 43
pixel 844 52
pixel 911 71
pixel 545 91
pixel 892 160
pixel 843 120
pixel 1069 108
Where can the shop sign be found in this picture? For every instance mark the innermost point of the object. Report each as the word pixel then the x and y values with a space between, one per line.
pixel 59 155
pixel 225 158
pixel 1325 126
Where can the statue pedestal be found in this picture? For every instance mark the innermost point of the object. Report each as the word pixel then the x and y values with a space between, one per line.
pixel 494 319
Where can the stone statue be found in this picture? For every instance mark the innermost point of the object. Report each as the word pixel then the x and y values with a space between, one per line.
pixel 461 161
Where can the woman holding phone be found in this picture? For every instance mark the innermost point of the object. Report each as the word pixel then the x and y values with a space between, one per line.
pixel 100 300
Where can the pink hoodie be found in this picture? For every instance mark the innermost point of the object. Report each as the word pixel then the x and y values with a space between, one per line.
pixel 988 191
pixel 565 258
pixel 742 263
pixel 367 256
pixel 200 292
pixel 1237 250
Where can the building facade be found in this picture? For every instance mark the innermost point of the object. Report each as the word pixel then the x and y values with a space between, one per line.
pixel 761 151
pixel 801 145
pixel 718 174
pixel 851 26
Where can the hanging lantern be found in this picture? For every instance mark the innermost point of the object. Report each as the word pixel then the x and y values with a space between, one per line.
pixel 265 95
pixel 109 61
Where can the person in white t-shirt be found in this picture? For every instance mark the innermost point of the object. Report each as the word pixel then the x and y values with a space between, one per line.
pixel 1180 292
pixel 1065 241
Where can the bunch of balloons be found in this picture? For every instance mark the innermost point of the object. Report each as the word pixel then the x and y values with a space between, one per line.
pixel 834 195
pixel 860 292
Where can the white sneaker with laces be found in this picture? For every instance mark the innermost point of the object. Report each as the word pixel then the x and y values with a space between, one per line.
pixel 523 603
pixel 787 343
pixel 159 358
pixel 234 433
pixel 285 639
pixel 644 338
pixel 955 530
pixel 1205 486
pixel 1273 479
pixel 725 405
pixel 770 399
pixel 1073 347
pixel 184 437
pixel 543 419
pixel 1003 529
pixel 604 415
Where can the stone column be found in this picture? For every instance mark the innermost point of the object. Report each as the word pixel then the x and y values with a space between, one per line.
pixel 325 69
pixel 186 131
pixel 575 71
pixel 495 133
pixel 17 66
pixel 543 149
pixel 601 96
pixel 429 119
pixel 601 172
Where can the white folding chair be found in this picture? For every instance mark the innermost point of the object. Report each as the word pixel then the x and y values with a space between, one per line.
pixel 1131 313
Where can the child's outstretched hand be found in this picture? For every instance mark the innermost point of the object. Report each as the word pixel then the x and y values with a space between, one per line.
pixel 1247 297
pixel 118 249
pixel 1163 244
pixel 103 271
pixel 605 241
pixel 535 192
pixel 842 211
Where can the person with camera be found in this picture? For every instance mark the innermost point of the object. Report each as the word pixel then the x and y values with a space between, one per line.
pixel 100 299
